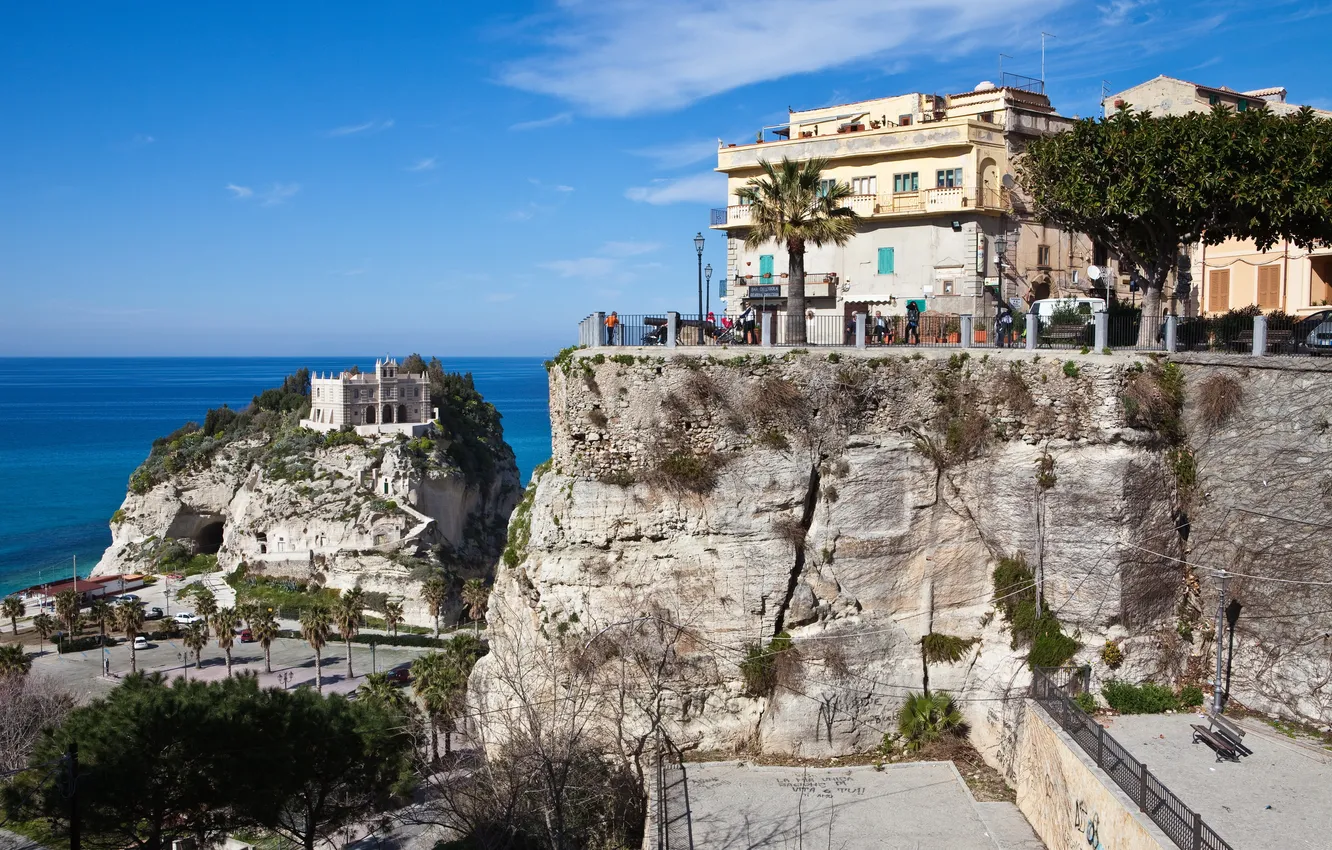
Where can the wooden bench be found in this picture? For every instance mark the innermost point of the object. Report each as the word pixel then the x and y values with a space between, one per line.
pixel 1232 734
pixel 1278 340
pixel 1076 334
pixel 1219 745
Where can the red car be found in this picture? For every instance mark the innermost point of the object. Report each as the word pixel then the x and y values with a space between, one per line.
pixel 247 636
pixel 400 675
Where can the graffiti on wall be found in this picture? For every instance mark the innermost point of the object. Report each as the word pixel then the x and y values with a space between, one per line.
pixel 1088 824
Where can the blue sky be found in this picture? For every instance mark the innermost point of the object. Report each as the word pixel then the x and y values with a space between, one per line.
pixel 470 178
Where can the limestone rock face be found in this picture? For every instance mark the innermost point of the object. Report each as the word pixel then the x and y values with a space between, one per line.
pixel 857 504
pixel 362 514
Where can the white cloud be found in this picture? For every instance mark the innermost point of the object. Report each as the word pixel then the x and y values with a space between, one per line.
pixel 628 249
pixel 562 188
pixel 427 164
pixel 279 193
pixel 552 121
pixel 1117 12
pixel 695 189
pixel 581 267
pixel 645 56
pixel 359 129
pixel 679 154
pixel 239 191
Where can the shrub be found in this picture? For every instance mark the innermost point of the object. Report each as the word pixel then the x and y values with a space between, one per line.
pixel 118 516
pixel 941 648
pixel 1086 702
pixel 684 470
pixel 1147 698
pixel 1112 655
pixel 773 439
pixel 344 436
pixel 1218 398
pixel 925 718
pixel 1045 472
pixel 1153 398
pixel 1190 696
pixel 1050 647
pixel 763 666
pixel 1071 368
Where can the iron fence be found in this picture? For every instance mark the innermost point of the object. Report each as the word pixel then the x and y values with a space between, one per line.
pixel 675 828
pixel 1054 689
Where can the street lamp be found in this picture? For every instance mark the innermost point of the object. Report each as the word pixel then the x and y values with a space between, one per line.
pixel 707 277
pixel 698 246
pixel 1000 248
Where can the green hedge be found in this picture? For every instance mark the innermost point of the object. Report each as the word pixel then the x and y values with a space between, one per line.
pixel 83 644
pixel 378 640
pixel 1147 698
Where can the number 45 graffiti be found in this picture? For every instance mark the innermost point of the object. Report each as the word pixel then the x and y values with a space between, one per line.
pixel 1088 824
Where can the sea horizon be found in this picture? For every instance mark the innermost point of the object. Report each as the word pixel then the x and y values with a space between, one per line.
pixel 73 428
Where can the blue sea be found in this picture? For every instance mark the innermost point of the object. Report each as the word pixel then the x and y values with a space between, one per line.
pixel 72 430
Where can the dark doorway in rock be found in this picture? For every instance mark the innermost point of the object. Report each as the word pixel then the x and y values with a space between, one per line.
pixel 402 413
pixel 209 538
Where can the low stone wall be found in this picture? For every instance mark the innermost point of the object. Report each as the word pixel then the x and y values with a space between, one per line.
pixel 1070 802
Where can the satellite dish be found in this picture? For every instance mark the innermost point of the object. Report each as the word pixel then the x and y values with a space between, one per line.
pixel 1094 272
pixel 1009 182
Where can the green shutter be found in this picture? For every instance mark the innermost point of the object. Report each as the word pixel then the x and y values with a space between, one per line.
pixel 765 268
pixel 885 261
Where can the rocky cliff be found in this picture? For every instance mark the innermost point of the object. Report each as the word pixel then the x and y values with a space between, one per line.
pixel 771 553
pixel 338 509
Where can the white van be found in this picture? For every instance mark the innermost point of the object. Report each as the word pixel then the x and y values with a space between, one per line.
pixel 1046 307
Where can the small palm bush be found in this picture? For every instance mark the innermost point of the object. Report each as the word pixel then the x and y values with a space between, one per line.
pixel 925 718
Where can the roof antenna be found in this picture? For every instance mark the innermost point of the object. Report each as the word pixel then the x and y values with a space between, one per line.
pixel 1044 35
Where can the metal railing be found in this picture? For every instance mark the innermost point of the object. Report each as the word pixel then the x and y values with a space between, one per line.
pixel 947 199
pixel 675 828
pixel 1053 689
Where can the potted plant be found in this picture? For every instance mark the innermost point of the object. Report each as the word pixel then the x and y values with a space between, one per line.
pixel 952 331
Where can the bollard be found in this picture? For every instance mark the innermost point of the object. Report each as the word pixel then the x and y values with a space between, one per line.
pixel 1102 336
pixel 672 328
pixel 1033 330
pixel 965 322
pixel 1259 336
pixel 860 330
pixel 766 331
pixel 599 332
pixel 1172 334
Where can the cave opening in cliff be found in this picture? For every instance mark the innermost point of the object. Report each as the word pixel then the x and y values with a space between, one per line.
pixel 209 538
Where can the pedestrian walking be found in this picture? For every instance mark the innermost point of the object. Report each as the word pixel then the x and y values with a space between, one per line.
pixel 1003 326
pixel 912 322
pixel 612 322
pixel 748 321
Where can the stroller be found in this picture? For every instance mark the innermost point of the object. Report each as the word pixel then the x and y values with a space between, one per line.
pixel 656 336
pixel 727 336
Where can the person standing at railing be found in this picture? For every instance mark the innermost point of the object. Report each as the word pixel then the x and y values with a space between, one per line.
pixel 912 323
pixel 612 322
pixel 1003 328
pixel 748 321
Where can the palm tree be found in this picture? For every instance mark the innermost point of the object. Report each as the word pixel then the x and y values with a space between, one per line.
pixel 44 625
pixel 196 638
pixel 13 608
pixel 927 717
pixel 205 605
pixel 435 591
pixel 392 616
pixel 347 613
pixel 225 622
pixel 477 598
pixel 376 688
pixel 14 661
pixel 129 619
pixel 435 683
pixel 791 204
pixel 315 622
pixel 67 606
pixel 101 611
pixel 249 612
pixel 264 628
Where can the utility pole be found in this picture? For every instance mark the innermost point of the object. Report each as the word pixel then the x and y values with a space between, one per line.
pixel 75 836
pixel 1044 36
pixel 1220 634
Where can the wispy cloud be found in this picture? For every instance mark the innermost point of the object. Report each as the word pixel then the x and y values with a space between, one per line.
pixel 628 249
pixel 1118 12
pixel 427 164
pixel 239 191
pixel 695 189
pixel 553 187
pixel 552 121
pixel 641 56
pixel 562 188
pixel 679 154
pixel 275 194
pixel 361 129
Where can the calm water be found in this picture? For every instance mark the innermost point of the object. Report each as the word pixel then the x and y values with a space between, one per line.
pixel 72 430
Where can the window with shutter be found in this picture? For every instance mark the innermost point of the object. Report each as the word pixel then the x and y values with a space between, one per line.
pixel 1218 291
pixel 1269 287
pixel 885 261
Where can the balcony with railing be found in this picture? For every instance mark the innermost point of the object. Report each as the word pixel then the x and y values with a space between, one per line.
pixel 922 202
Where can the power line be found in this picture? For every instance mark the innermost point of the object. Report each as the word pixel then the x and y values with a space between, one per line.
pixel 1232 572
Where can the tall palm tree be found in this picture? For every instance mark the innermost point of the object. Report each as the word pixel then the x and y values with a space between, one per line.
pixel 14 661
pixel 347 613
pixel 376 688
pixel 225 622
pixel 129 620
pixel 392 616
pixel 205 605
pixel 101 612
pixel 44 624
pixel 249 612
pixel 927 717
pixel 264 628
pixel 435 591
pixel 196 638
pixel 13 608
pixel 435 681
pixel 791 204
pixel 315 623
pixel 67 606
pixel 476 597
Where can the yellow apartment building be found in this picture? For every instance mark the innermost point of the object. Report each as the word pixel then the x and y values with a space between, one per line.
pixel 1235 273
pixel 928 176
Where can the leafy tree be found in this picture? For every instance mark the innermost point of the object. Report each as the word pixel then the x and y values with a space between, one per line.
pixel 264 628
pixel 129 620
pixel 925 718
pixel 347 614
pixel 101 612
pixel 377 689
pixel 393 615
pixel 196 638
pixel 791 205
pixel 12 608
pixel 315 626
pixel 205 605
pixel 435 591
pixel 1148 186
pixel 225 622
pixel 476 596
pixel 14 661
pixel 44 625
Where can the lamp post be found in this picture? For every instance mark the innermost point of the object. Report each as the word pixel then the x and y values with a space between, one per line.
pixel 698 246
pixel 707 278
pixel 1000 248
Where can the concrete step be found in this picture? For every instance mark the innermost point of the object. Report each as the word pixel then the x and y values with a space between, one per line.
pixel 1009 827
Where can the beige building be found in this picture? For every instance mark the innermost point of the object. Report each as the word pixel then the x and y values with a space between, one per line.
pixel 1236 274
pixel 928 175
pixel 388 401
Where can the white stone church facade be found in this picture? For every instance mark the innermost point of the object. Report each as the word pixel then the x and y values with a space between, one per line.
pixel 387 402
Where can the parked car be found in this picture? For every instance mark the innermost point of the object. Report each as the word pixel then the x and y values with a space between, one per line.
pixel 126 597
pixel 153 613
pixel 176 576
pixel 140 642
pixel 247 636
pixel 1087 307
pixel 401 675
pixel 1313 333
pixel 185 618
